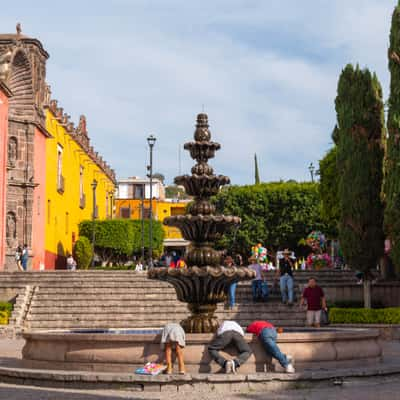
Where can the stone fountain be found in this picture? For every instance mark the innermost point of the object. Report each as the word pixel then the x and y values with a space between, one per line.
pixel 205 282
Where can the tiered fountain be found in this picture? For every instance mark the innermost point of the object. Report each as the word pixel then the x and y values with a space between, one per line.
pixel 205 282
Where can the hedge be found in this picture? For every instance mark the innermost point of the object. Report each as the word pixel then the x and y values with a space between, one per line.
pixel 5 312
pixel 118 239
pixel 365 315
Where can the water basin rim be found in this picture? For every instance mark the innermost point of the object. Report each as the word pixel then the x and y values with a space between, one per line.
pixel 317 335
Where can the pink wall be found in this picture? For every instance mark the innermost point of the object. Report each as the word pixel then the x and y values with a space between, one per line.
pixel 3 171
pixel 39 200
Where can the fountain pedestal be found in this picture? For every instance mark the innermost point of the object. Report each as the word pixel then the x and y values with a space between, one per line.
pixel 205 283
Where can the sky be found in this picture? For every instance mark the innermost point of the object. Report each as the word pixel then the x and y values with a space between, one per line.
pixel 265 72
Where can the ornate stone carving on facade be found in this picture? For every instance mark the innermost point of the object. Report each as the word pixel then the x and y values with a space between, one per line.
pixel 53 105
pixel 11 229
pixel 5 60
pixel 59 114
pixel 12 151
pixel 82 128
pixel 65 119
pixel 47 96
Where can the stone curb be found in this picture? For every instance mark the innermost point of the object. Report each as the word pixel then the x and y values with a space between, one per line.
pixel 211 382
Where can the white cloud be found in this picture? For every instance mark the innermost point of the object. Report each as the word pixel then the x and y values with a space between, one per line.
pixel 265 71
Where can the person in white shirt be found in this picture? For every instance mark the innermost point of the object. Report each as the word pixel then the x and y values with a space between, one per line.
pixel 229 333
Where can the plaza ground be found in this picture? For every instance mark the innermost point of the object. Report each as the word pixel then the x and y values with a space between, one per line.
pixel 387 387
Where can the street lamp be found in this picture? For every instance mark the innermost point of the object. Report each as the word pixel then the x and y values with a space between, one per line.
pixel 94 186
pixel 142 218
pixel 311 168
pixel 151 140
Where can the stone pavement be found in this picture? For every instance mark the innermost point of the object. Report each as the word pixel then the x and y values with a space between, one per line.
pixel 385 387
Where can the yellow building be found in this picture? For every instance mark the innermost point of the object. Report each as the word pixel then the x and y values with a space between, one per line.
pixel 72 166
pixel 129 204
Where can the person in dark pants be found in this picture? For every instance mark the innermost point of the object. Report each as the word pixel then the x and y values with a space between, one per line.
pixel 229 333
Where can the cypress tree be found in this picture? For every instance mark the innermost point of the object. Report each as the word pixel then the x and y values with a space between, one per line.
pixel 256 173
pixel 360 119
pixel 392 162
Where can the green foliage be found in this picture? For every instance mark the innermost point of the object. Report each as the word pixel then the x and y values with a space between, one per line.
pixel 83 252
pixel 359 109
pixel 392 162
pixel 275 214
pixel 5 312
pixel 328 190
pixel 256 171
pixel 118 239
pixel 365 315
pixel 353 304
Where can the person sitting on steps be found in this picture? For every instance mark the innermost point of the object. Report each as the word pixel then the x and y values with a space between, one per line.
pixel 173 335
pixel 229 333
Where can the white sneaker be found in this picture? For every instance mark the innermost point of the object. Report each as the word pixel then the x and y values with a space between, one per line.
pixel 290 359
pixel 233 367
pixel 229 367
pixel 290 369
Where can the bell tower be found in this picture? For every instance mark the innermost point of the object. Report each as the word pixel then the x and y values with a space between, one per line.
pixel 23 70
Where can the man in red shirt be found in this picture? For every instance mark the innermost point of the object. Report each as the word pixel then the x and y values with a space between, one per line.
pixel 266 332
pixel 315 298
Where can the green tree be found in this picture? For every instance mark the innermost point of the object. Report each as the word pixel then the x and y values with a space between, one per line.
pixel 118 239
pixel 328 190
pixel 83 252
pixel 392 162
pixel 278 215
pixel 360 118
pixel 256 172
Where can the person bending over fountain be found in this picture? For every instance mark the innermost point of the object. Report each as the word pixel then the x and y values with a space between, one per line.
pixel 266 332
pixel 229 333
pixel 173 335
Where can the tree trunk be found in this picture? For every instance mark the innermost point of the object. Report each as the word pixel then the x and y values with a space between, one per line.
pixel 367 293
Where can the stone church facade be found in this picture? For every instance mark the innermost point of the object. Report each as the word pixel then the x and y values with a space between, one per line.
pixel 23 72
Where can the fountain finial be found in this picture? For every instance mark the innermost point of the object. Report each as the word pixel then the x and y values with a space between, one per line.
pixel 202 133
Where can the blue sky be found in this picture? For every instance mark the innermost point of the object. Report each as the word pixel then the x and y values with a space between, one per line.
pixel 265 71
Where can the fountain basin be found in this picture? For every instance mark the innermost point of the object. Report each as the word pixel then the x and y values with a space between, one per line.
pixel 123 350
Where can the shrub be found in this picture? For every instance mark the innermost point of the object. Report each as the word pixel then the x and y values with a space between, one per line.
pixel 365 315
pixel 5 312
pixel 83 252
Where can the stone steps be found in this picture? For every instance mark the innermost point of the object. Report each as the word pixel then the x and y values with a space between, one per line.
pixel 137 324
pixel 125 299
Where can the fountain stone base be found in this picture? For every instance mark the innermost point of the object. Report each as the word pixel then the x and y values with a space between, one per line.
pixel 202 288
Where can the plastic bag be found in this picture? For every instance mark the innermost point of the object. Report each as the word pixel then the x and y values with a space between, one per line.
pixel 324 318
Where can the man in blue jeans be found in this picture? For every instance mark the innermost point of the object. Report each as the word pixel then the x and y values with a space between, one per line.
pixel 266 332
pixel 285 273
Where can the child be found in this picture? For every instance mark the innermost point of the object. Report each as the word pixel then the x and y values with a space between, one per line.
pixel 173 335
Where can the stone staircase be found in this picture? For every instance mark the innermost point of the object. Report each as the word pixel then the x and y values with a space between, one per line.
pixel 125 299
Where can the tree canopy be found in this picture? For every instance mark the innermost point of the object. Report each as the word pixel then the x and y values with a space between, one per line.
pixel 278 215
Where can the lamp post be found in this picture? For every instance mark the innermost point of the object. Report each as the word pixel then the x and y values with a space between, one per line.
pixel 142 218
pixel 151 140
pixel 311 168
pixel 94 186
